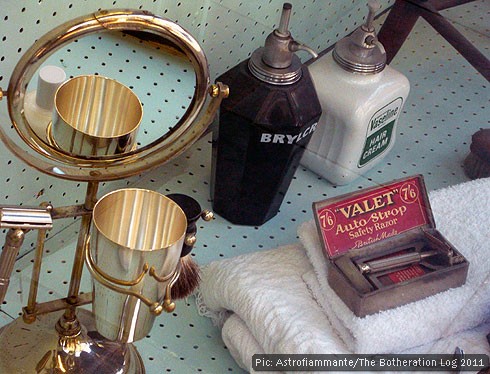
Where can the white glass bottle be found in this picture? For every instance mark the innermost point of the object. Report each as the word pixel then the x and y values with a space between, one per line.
pixel 362 99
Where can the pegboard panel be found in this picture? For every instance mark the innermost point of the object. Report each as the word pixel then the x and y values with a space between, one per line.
pixel 228 30
pixel 448 102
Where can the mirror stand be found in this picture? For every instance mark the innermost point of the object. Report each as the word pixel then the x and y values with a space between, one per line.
pixel 59 336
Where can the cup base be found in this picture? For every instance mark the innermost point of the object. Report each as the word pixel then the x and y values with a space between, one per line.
pixel 35 348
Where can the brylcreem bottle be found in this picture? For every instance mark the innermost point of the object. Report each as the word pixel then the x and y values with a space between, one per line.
pixel 362 99
pixel 264 125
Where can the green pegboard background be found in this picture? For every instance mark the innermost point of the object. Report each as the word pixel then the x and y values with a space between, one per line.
pixel 448 102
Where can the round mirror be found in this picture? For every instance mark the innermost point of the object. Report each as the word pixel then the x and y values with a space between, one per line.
pixel 157 72
pixel 155 58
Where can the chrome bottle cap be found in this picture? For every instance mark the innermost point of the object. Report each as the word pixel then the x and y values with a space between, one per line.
pixel 276 63
pixel 361 52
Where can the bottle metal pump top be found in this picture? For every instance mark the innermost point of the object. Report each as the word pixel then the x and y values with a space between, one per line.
pixel 276 63
pixel 361 52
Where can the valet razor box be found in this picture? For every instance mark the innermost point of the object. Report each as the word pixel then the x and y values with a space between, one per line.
pixel 383 248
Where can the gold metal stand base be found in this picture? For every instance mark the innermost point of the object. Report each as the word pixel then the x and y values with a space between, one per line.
pixel 37 348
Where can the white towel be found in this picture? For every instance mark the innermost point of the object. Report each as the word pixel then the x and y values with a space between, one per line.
pixel 266 290
pixel 242 344
pixel 462 215
pixel 263 301
pixel 262 313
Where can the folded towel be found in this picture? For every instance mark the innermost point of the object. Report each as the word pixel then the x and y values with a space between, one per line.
pixel 242 344
pixel 461 213
pixel 266 290
pixel 263 300
pixel 235 294
pixel 263 306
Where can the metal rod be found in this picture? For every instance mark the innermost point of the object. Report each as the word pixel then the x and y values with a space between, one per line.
pixel 13 242
pixel 69 211
pixel 155 306
pixel 476 58
pixel 83 235
pixel 90 261
pixel 393 262
pixel 54 306
pixel 36 270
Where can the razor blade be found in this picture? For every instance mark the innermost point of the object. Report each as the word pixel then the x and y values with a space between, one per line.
pixel 25 218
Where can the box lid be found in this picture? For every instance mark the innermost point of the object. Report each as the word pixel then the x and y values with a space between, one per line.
pixel 352 221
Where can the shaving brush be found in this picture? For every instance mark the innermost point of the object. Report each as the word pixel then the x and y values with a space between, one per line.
pixel 189 277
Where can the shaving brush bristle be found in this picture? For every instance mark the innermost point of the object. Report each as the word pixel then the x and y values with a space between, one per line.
pixel 189 278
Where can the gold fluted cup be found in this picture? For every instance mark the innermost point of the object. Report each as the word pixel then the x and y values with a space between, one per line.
pixel 136 242
pixel 95 116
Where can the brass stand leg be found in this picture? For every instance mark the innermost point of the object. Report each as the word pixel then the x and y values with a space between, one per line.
pixel 76 274
pixel 13 242
pixel 36 270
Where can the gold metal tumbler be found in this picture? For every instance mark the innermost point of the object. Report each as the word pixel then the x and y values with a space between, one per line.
pixel 95 116
pixel 136 242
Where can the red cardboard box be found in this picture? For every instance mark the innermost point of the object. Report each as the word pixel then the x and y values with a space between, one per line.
pixel 383 248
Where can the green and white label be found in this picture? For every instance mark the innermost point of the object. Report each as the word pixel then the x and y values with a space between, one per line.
pixel 380 131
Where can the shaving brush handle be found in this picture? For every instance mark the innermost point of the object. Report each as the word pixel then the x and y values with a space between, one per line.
pixel 193 212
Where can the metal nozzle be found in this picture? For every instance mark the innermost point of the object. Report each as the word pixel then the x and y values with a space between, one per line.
pixel 276 63
pixel 361 52
pixel 284 22
pixel 295 46
pixel 373 6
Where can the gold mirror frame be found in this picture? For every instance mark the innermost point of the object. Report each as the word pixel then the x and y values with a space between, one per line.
pixel 188 129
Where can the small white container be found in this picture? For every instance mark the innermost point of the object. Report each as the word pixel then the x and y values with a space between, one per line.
pixel 39 104
pixel 362 99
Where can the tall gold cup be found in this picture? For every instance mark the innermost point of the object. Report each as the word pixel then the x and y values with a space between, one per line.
pixel 136 243
pixel 95 116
